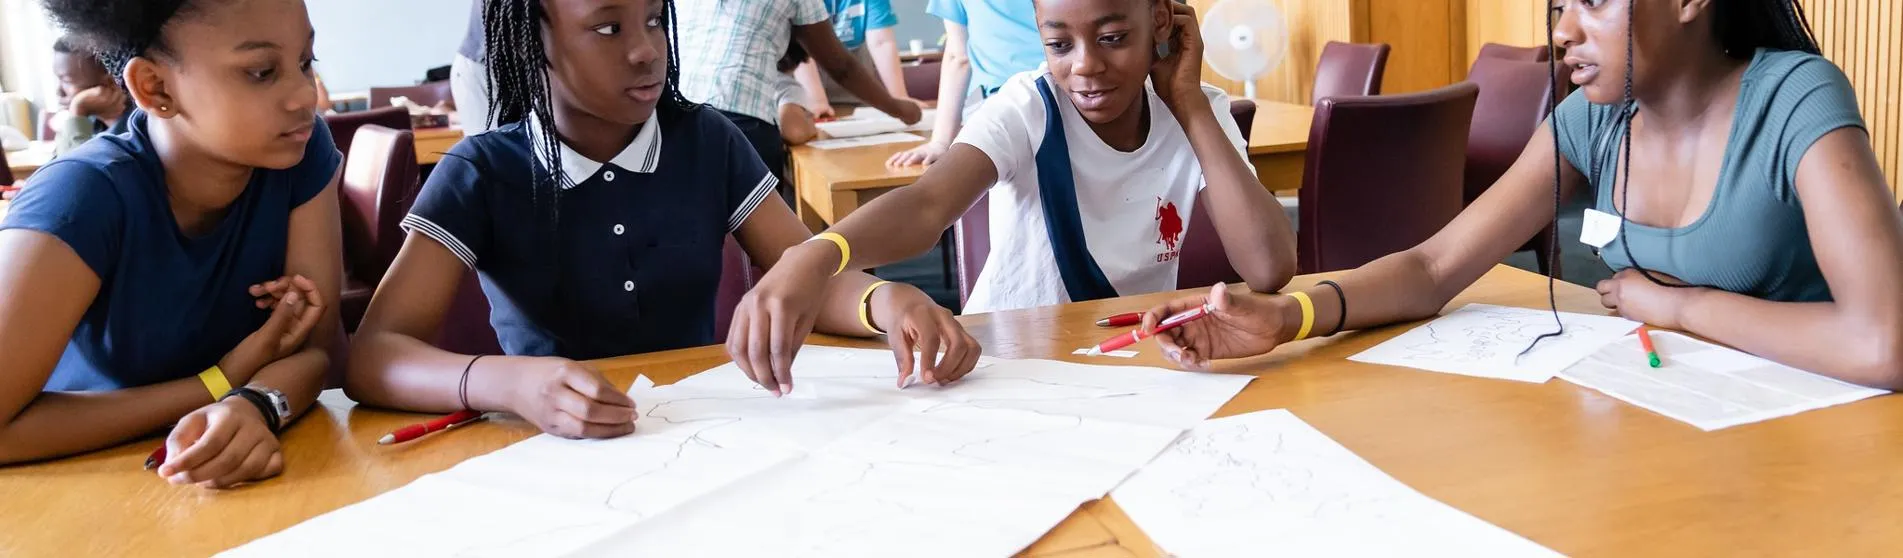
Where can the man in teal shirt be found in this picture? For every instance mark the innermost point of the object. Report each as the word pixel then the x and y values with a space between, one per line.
pixel 866 28
pixel 987 42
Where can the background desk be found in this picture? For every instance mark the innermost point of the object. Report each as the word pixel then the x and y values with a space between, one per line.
pixel 432 143
pixel 24 162
pixel 832 183
pixel 1577 471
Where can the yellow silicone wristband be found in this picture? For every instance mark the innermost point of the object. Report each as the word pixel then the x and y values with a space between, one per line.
pixel 1308 314
pixel 215 382
pixel 865 307
pixel 845 250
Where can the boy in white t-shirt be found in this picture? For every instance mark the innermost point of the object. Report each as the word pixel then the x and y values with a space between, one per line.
pixel 1094 206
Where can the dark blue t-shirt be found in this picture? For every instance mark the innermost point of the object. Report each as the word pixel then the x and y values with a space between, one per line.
pixel 624 260
pixel 169 306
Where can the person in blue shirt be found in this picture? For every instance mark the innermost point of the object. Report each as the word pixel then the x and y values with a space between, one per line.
pixel 986 42
pixel 1746 205
pixel 182 271
pixel 866 28
pixel 595 217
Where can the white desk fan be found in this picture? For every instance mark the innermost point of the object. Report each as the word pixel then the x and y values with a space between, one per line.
pixel 1244 40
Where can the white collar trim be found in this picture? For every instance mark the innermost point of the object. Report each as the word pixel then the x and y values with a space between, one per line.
pixel 642 155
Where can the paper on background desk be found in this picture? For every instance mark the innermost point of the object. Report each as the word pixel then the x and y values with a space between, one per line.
pixel 847 466
pixel 1484 340
pixel 1705 385
pixel 862 141
pixel 1268 484
pixel 868 121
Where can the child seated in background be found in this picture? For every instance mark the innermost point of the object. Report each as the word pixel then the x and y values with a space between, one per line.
pixel 90 100
pixel 798 123
pixel 1092 172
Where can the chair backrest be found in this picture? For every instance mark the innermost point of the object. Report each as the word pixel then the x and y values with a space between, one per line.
pixel 1243 110
pixel 6 171
pixel 428 94
pixel 343 127
pixel 1516 94
pixel 921 80
pixel 1382 174
pixel 736 278
pixel 466 328
pixel 1509 52
pixel 379 184
pixel 1350 70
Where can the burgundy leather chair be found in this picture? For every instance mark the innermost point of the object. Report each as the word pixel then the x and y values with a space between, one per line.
pixel 1382 174
pixel 1243 110
pixel 466 329
pixel 921 81
pixel 1516 95
pixel 1508 52
pixel 1350 70
pixel 379 184
pixel 6 172
pixel 428 94
pixel 343 127
pixel 972 238
pixel 736 278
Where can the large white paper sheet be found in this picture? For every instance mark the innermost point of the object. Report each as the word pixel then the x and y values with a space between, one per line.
pixel 862 141
pixel 1705 385
pixel 1484 340
pixel 1268 484
pixel 848 464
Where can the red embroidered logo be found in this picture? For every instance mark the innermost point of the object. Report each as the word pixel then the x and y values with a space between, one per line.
pixel 1169 224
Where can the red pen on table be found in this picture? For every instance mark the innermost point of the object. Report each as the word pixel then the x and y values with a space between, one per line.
pixel 156 459
pixel 1131 338
pixel 1125 319
pixel 415 431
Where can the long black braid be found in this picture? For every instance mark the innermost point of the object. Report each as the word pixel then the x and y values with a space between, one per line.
pixel 1742 27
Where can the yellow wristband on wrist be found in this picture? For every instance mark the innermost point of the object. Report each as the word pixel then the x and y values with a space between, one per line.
pixel 845 250
pixel 215 382
pixel 865 307
pixel 1308 314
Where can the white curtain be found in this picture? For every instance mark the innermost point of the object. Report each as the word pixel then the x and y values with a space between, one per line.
pixel 26 56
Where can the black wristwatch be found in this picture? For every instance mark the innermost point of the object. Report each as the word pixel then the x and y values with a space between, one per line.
pixel 270 402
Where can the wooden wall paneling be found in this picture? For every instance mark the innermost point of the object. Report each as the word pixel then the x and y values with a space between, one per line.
pixel 1508 22
pixel 1424 40
pixel 1311 24
pixel 1862 38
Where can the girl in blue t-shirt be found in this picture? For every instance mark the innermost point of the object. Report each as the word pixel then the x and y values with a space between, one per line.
pixel 595 217
pixel 1743 201
pixel 181 271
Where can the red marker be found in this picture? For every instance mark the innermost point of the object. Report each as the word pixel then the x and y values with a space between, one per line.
pixel 1126 319
pixel 415 431
pixel 1136 335
pixel 156 459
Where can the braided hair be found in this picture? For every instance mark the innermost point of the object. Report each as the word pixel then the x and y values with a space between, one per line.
pixel 117 31
pixel 1742 27
pixel 518 80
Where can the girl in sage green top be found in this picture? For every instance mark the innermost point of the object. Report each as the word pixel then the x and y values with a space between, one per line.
pixel 1754 214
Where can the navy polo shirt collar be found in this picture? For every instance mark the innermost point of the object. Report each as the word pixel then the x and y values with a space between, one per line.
pixel 642 155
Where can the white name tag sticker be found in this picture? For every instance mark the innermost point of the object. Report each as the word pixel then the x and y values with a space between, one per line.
pixel 1598 228
pixel 855 10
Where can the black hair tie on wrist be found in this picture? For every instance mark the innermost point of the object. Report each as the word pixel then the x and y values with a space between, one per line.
pixel 1343 322
pixel 260 401
pixel 462 386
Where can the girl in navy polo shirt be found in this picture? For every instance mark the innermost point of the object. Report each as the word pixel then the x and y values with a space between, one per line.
pixel 133 262
pixel 595 217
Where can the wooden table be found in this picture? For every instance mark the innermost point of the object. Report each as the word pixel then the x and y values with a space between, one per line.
pixel 832 183
pixel 1567 467
pixel 432 143
pixel 25 162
